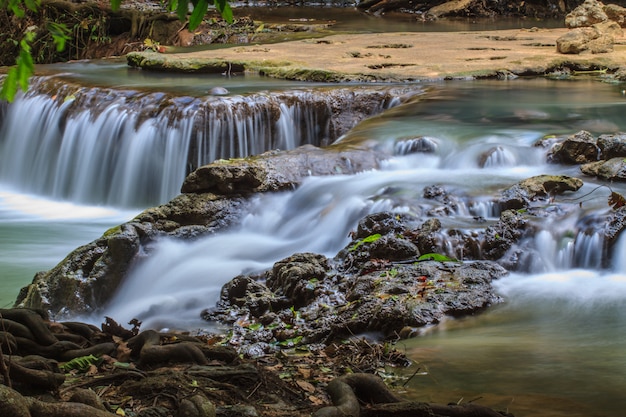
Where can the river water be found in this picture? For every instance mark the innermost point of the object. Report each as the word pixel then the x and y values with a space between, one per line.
pixel 555 347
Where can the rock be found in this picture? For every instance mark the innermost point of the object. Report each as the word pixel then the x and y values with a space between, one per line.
pixel 575 149
pixel 540 187
pixel 610 28
pixel 393 248
pixel 613 169
pixel 585 39
pixel 296 277
pixel 612 146
pixel 616 13
pixel 615 225
pixel 382 223
pixel 89 276
pixel 501 237
pixel 585 15
pixel 449 8
pixel 218 91
pixel 274 171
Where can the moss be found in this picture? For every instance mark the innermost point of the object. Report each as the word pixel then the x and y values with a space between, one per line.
pixel 112 231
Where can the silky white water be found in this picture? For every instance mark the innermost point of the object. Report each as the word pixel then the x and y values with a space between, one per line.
pixel 554 347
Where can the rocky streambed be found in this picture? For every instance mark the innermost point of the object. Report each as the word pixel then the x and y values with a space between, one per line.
pixel 296 328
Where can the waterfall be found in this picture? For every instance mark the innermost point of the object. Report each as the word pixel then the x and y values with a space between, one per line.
pixel 134 149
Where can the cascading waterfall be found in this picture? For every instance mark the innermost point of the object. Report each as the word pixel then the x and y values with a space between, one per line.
pixel 131 149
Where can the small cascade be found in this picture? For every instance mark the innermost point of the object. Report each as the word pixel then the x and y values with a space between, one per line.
pixel 619 250
pixel 132 149
pixel 499 156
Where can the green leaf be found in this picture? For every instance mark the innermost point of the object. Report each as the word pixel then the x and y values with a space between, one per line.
pixel 182 8
pixel 436 257
pixel 115 5
pixel 9 86
pixel 223 7
pixel 81 364
pixel 369 239
pixel 198 14
pixel 60 34
pixel 32 5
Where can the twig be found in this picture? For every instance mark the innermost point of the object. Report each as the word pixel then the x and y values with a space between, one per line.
pixel 411 377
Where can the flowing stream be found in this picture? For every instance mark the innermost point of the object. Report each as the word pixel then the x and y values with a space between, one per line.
pixel 555 347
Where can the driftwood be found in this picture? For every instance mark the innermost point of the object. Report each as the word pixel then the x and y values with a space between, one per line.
pixel 349 391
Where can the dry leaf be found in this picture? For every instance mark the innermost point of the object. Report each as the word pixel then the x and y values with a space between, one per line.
pixel 306 386
pixel 616 200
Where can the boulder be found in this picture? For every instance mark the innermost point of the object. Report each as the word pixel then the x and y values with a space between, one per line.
pixel 613 169
pixel 540 187
pixel 585 15
pixel 274 170
pixel 612 146
pixel 578 148
pixel 616 13
pixel 584 39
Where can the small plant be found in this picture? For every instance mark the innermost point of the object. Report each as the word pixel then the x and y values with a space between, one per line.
pixel 369 239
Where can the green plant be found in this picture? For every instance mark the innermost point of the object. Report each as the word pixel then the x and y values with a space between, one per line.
pixel 369 239
pixel 20 73
pixel 436 257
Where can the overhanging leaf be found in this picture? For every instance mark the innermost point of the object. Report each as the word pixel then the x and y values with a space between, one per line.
pixel 223 7
pixel 198 14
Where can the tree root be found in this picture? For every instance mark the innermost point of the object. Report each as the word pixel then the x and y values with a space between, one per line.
pixel 148 348
pixel 16 405
pixel 349 391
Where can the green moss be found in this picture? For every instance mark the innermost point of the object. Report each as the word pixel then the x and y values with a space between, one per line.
pixel 113 231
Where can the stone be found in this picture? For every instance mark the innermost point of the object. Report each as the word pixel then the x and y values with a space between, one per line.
pixel 585 15
pixel 616 13
pixel 612 146
pixel 578 148
pixel 584 39
pixel 540 187
pixel 613 169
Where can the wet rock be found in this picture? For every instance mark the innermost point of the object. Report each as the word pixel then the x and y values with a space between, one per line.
pixel 246 291
pixel 393 248
pixel 89 276
pixel 274 171
pixel 420 144
pixel 612 146
pixel 536 188
pixel 296 277
pixel 615 225
pixel 382 223
pixel 218 91
pixel 585 15
pixel 578 148
pixel 613 170
pixel 501 237
pixel 427 237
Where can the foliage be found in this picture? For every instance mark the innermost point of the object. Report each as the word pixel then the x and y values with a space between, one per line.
pixel 81 364
pixel 437 257
pixel 369 239
pixel 18 75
